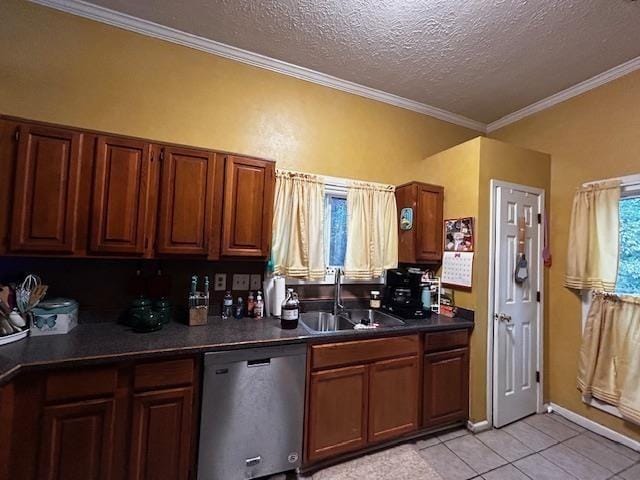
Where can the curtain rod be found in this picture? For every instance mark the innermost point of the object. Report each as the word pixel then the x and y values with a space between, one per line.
pixel 626 181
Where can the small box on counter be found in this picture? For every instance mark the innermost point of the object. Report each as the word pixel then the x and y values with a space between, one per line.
pixel 51 317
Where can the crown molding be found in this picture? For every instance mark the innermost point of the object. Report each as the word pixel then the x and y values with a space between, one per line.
pixel 579 88
pixel 151 29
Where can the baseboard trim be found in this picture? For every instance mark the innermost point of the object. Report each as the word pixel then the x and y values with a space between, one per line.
pixel 594 426
pixel 478 427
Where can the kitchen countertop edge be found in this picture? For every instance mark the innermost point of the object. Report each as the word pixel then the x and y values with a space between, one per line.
pixel 74 348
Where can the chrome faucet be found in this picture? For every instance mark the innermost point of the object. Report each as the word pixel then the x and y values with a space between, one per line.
pixel 337 293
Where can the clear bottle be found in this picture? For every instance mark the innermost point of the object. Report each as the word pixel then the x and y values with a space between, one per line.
pixel 227 305
pixel 238 309
pixel 290 310
pixel 251 303
pixel 258 309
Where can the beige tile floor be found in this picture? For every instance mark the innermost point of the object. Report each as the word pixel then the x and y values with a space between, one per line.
pixel 540 447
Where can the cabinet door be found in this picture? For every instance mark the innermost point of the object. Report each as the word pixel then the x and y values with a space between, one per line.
pixel 337 416
pixel 446 387
pixel 393 398
pixel 248 207
pixel 187 187
pixel 429 223
pixel 161 435
pixel 46 190
pixel 76 441
pixel 120 195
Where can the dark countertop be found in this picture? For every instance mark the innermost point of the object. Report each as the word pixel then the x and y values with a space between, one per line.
pixel 95 343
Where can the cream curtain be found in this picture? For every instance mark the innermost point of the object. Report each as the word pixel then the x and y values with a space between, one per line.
pixel 592 254
pixel 372 231
pixel 298 235
pixel 609 366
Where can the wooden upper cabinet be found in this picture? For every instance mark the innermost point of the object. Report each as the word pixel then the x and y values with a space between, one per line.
pixel 337 415
pixel 188 188
pixel 423 242
pixel 248 207
pixel 121 185
pixel 446 387
pixel 45 203
pixel 393 398
pixel 429 223
pixel 76 441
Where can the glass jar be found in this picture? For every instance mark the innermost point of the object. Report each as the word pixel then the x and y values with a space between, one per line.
pixel 290 310
pixel 374 300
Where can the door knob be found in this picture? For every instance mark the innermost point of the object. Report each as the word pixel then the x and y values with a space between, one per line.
pixel 503 317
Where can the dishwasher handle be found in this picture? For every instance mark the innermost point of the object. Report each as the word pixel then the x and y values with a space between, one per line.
pixel 260 362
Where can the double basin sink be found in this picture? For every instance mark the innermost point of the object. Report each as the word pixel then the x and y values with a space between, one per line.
pixel 347 320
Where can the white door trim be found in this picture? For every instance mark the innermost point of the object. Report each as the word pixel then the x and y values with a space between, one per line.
pixel 491 360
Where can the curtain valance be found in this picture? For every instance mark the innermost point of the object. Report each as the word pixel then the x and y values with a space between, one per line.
pixel 592 253
pixel 298 220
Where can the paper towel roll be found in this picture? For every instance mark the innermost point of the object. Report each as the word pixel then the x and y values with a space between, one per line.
pixel 278 296
pixel 268 286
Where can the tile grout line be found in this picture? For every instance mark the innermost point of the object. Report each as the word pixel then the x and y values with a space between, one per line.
pixel 456 455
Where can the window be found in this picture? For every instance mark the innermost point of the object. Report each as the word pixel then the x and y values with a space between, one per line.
pixel 336 229
pixel 628 281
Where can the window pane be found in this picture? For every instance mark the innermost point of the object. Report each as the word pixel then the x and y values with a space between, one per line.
pixel 338 232
pixel 629 257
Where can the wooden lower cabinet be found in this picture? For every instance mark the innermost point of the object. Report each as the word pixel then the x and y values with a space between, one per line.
pixel 393 398
pixel 115 422
pixel 446 387
pixel 337 411
pixel 161 434
pixel 371 392
pixel 76 441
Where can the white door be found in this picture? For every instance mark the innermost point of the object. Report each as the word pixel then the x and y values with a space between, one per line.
pixel 516 305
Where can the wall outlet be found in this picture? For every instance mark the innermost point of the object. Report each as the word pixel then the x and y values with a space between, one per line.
pixel 256 282
pixel 220 282
pixel 240 282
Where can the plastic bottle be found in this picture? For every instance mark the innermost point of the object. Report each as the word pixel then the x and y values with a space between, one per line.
pixel 227 305
pixel 258 309
pixel 238 309
pixel 251 303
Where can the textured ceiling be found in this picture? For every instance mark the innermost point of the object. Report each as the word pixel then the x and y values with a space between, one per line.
pixel 479 58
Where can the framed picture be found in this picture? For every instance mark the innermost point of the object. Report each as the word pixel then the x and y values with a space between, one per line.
pixel 458 235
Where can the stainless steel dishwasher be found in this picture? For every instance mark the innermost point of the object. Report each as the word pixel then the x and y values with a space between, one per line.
pixel 252 412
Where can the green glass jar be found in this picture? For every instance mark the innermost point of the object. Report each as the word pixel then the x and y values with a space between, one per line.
pixel 140 307
pixel 162 307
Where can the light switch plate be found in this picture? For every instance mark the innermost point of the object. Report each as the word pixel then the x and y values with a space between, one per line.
pixel 220 282
pixel 240 282
pixel 256 282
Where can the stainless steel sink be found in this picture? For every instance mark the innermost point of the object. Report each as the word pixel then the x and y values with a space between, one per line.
pixel 347 320
pixel 325 322
pixel 372 317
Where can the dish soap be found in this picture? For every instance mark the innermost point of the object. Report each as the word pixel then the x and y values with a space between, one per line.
pixel 290 310
pixel 258 309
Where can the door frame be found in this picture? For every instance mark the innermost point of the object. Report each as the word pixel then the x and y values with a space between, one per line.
pixel 492 325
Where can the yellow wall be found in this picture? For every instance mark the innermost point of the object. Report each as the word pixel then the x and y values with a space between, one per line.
pixel 590 137
pixel 65 69
pixel 457 170
pixel 465 171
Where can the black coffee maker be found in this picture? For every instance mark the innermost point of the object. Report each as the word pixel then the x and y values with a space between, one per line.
pixel 403 293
